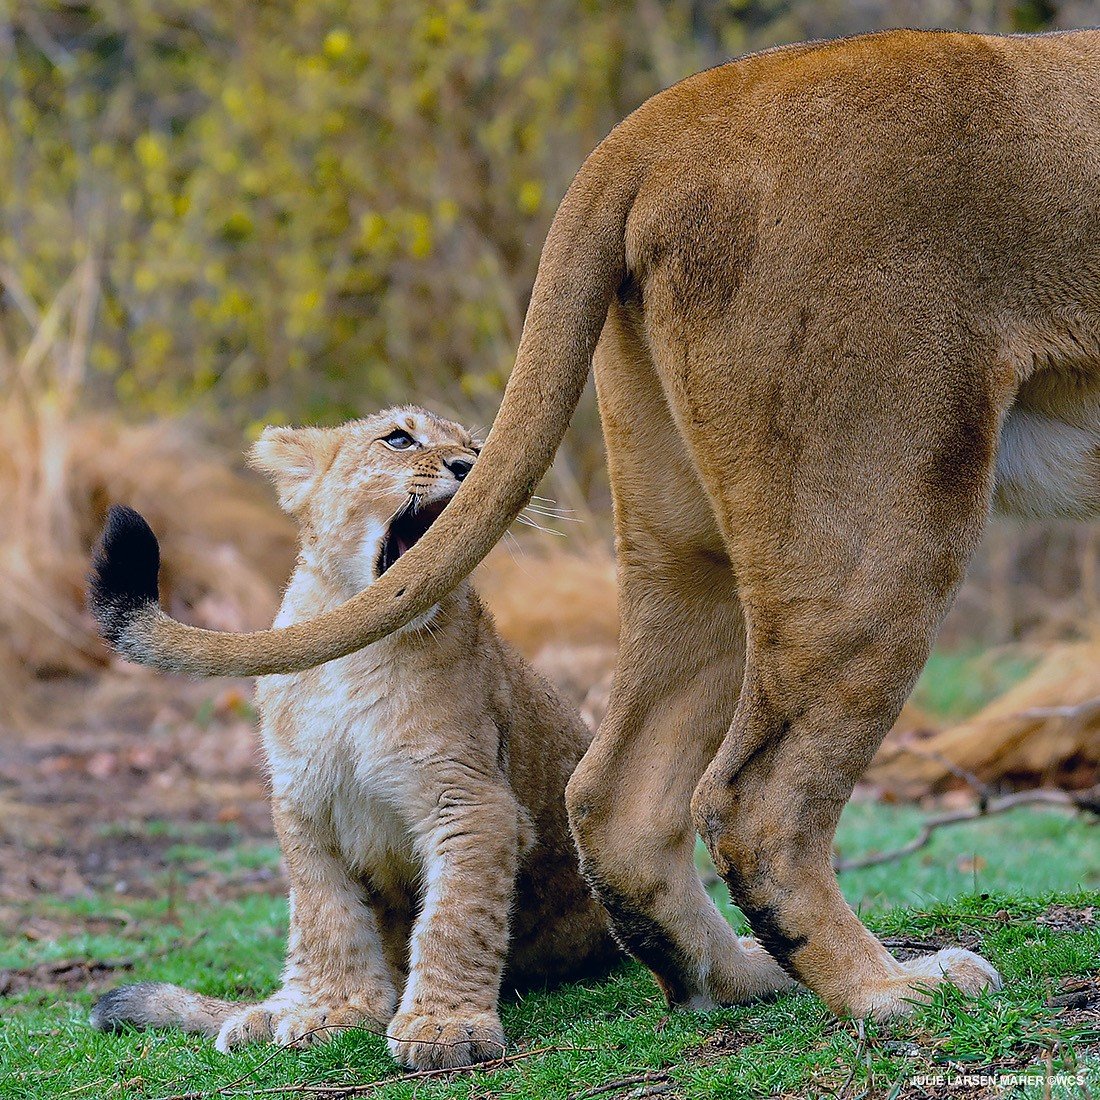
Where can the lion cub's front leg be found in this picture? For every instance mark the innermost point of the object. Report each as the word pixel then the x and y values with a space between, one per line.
pixel 336 974
pixel 448 1014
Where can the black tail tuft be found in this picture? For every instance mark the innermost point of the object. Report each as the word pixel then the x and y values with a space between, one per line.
pixel 123 581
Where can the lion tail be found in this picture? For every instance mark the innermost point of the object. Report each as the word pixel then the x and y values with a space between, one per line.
pixel 159 1004
pixel 583 263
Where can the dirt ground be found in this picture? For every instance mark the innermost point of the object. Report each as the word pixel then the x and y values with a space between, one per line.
pixel 115 771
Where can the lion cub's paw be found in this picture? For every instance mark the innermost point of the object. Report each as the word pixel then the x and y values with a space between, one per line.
pixel 444 1040
pixel 293 1023
pixel 251 1025
pixel 316 1023
pixel 969 972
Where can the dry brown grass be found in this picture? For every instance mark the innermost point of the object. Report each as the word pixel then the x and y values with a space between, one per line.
pixel 542 593
pixel 1045 731
pixel 226 550
pixel 557 605
pixel 226 547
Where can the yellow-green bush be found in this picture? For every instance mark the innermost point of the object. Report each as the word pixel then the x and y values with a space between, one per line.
pixel 305 208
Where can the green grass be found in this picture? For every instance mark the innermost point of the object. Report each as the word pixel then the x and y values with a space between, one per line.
pixel 989 883
pixel 957 683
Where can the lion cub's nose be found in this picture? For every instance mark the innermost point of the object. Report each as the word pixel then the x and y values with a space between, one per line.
pixel 460 467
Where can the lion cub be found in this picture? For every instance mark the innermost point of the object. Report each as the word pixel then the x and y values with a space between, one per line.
pixel 417 785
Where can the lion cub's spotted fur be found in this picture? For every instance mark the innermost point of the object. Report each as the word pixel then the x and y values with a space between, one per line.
pixel 417 786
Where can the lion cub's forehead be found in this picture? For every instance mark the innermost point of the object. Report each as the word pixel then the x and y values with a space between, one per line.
pixel 425 427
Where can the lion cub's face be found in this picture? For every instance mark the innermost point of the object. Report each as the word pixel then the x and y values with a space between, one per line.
pixel 364 492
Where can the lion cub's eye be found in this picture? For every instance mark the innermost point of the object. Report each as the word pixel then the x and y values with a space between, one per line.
pixel 399 440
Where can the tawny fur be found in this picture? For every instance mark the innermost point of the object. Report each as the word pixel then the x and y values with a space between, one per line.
pixel 847 292
pixel 417 789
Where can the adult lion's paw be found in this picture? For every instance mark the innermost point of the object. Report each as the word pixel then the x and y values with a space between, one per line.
pixel 445 1040
pixel 919 979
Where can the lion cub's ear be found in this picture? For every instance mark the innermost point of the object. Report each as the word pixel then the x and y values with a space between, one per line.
pixel 294 458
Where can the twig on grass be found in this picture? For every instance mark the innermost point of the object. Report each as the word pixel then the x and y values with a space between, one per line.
pixel 362 1088
pixel 1077 800
pixel 82 1088
pixel 909 944
pixel 861 1042
pixel 650 1077
pixel 1081 994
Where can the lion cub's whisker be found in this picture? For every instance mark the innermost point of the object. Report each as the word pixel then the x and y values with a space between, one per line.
pixel 526 520
pixel 552 514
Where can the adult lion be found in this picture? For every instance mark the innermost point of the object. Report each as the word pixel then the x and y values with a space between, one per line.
pixel 846 294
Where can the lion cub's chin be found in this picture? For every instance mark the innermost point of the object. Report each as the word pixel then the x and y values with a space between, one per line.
pixel 421 622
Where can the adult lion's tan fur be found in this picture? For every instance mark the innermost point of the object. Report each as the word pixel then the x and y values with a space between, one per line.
pixel 418 787
pixel 845 290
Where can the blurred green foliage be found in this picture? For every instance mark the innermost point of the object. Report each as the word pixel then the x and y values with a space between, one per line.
pixel 305 208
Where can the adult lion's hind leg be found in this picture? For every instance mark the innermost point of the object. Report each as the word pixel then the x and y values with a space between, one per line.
pixel 843 590
pixel 679 672
pixel 629 799
pixel 768 809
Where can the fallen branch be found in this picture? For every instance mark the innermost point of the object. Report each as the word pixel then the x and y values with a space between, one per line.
pixel 1088 801
pixel 653 1081
pixel 1079 712
pixel 983 790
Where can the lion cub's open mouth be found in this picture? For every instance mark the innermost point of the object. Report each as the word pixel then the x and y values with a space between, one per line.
pixel 406 528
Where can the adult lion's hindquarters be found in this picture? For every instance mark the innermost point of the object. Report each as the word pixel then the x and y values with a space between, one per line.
pixel 802 387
